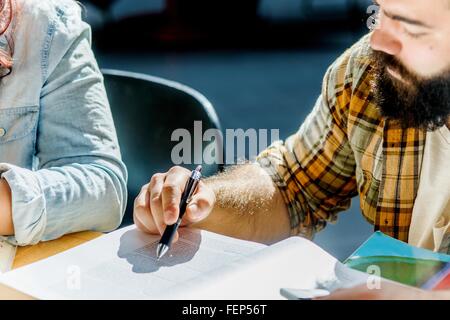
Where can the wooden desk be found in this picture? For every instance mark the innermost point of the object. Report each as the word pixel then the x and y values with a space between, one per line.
pixel 30 254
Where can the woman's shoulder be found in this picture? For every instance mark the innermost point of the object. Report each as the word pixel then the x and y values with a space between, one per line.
pixel 63 15
pixel 48 7
pixel 44 32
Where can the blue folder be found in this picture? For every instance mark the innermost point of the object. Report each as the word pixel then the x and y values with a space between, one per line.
pixel 397 260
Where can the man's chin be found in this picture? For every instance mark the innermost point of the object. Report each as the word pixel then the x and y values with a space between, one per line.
pixel 411 106
pixel 407 98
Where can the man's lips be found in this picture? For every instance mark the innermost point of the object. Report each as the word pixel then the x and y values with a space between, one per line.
pixel 394 74
pixel 397 76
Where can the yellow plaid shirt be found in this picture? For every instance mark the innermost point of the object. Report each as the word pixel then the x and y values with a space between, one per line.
pixel 345 148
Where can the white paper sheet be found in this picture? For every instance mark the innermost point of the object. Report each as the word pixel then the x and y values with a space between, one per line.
pixel 293 263
pixel 123 265
pixel 202 265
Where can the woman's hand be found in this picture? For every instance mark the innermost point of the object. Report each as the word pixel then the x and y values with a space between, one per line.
pixel 158 203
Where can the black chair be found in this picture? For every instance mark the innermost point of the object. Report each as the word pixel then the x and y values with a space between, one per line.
pixel 146 111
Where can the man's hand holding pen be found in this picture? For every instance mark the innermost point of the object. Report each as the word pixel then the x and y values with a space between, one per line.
pixel 158 204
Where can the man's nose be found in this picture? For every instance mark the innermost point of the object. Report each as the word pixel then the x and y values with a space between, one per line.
pixel 383 41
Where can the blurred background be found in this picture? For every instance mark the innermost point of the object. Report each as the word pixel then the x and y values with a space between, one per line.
pixel 260 62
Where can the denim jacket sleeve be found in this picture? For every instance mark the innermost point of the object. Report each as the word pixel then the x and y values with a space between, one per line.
pixel 80 180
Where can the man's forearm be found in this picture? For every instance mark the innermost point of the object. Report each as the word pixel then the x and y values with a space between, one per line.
pixel 248 206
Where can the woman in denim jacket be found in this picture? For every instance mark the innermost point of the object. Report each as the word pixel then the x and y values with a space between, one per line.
pixel 60 163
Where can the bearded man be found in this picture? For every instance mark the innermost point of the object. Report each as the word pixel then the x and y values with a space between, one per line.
pixel 380 130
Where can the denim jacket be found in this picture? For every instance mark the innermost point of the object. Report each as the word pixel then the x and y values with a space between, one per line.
pixel 58 146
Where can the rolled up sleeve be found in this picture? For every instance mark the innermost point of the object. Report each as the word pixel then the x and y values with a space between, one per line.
pixel 314 169
pixel 28 204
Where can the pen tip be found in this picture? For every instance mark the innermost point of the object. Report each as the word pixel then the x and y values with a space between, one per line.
pixel 161 250
pixel 199 168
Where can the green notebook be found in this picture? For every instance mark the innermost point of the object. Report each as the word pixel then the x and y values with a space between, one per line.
pixel 398 261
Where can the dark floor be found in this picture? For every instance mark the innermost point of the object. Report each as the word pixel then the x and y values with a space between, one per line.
pixel 257 89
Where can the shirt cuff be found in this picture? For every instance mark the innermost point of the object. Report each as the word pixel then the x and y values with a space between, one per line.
pixel 272 161
pixel 28 205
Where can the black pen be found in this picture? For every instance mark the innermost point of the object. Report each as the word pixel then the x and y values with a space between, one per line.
pixel 169 232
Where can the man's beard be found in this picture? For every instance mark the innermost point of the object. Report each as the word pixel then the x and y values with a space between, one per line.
pixel 414 102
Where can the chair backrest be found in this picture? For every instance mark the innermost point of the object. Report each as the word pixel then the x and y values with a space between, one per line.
pixel 146 111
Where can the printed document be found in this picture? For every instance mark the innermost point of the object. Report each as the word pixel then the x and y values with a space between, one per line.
pixel 201 265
